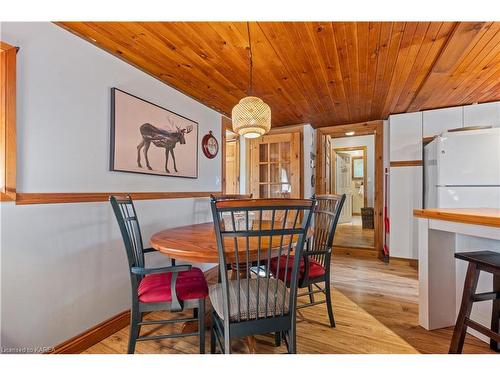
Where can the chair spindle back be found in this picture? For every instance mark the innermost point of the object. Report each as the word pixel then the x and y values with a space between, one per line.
pixel 326 217
pixel 247 238
pixel 128 222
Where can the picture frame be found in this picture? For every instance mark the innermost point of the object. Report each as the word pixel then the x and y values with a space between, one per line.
pixel 149 139
pixel 358 167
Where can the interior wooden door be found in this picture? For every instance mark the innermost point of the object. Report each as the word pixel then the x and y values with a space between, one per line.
pixel 275 166
pixel 232 166
pixel 343 181
pixel 328 181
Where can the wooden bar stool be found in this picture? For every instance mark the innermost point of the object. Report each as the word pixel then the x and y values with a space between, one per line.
pixel 487 261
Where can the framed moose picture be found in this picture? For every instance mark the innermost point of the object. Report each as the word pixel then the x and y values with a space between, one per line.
pixel 147 138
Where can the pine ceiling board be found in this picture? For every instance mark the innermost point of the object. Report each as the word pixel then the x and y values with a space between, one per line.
pixel 97 37
pixel 487 78
pixel 176 70
pixel 341 44
pixel 374 29
pixel 323 39
pixel 323 73
pixel 390 45
pixel 475 65
pixel 353 52
pixel 488 91
pixel 287 101
pixel 363 32
pixel 460 42
pixel 463 69
pixel 303 65
pixel 468 74
pixel 160 47
pixel 408 50
pixel 323 69
pixel 181 40
pixel 484 95
pixel 289 95
pixel 435 38
pixel 289 47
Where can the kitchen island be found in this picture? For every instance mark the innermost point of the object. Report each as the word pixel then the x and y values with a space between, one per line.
pixel 442 233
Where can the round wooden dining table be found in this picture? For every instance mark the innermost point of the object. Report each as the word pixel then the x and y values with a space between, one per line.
pixel 197 243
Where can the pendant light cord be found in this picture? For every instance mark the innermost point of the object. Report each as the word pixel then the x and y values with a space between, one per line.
pixel 250 80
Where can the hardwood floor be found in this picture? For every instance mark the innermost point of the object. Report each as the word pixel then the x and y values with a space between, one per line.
pixel 353 235
pixel 375 308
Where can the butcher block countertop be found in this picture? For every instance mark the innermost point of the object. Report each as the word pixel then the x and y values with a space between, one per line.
pixel 477 216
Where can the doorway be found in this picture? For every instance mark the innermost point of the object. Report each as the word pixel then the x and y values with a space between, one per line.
pixel 350 177
pixel 362 179
pixel 232 163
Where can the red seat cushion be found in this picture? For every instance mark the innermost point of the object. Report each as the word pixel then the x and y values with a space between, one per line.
pixel 189 285
pixel 315 269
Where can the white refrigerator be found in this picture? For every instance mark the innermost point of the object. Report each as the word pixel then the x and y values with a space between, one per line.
pixel 462 170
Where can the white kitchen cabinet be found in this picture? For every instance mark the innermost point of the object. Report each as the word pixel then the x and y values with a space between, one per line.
pixel 485 114
pixel 405 187
pixel 405 136
pixel 437 121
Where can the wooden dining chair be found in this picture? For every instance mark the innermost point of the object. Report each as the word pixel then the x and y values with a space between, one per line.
pixel 251 304
pixel 174 288
pixel 315 260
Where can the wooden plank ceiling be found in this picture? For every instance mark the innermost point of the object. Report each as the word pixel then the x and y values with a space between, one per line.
pixel 322 73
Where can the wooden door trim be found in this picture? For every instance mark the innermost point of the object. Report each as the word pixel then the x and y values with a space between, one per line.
pixel 237 163
pixel 406 163
pixel 225 123
pixel 363 128
pixel 7 122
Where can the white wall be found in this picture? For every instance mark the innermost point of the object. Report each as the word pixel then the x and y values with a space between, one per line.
pixel 369 142
pixel 63 266
pixel 309 146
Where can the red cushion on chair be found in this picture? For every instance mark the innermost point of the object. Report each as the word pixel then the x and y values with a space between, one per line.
pixel 189 285
pixel 315 269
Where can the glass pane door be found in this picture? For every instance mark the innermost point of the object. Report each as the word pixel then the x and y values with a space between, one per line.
pixel 277 173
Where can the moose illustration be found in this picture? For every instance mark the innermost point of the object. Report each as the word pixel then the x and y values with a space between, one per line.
pixel 161 138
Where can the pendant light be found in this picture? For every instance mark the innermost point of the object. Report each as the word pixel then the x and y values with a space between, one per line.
pixel 251 116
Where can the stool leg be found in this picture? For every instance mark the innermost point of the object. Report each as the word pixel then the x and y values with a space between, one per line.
pixel 495 314
pixel 457 341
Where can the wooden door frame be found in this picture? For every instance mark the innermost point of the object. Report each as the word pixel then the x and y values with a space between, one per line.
pixel 226 124
pixel 375 128
pixel 8 122
pixel 237 157
pixel 365 168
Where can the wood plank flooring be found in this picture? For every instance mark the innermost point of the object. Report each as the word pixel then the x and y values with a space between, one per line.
pixel 348 235
pixel 375 308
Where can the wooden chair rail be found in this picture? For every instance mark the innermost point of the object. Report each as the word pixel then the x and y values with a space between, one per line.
pixel 48 198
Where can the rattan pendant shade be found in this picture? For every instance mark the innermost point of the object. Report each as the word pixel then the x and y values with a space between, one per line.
pixel 251 117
